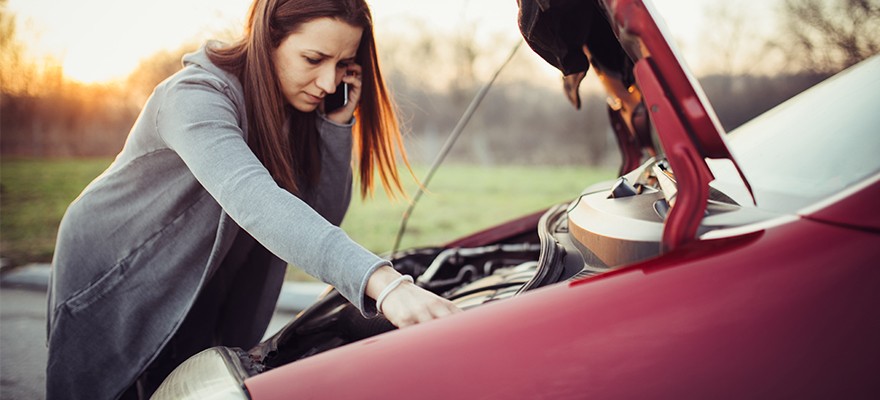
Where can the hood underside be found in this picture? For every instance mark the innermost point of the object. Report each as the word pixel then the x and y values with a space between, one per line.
pixel 656 107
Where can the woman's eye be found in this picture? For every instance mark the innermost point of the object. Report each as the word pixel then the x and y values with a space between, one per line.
pixel 343 65
pixel 313 61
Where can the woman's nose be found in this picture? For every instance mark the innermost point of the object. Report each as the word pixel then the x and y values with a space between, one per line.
pixel 327 80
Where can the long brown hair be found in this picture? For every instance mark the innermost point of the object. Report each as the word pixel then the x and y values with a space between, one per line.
pixel 293 157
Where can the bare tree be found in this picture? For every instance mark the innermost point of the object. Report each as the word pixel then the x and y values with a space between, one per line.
pixel 731 43
pixel 829 35
pixel 152 70
pixel 16 73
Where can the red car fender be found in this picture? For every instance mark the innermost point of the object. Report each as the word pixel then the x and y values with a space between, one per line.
pixel 854 208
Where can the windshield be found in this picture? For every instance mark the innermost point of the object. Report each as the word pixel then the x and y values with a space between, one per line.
pixel 816 144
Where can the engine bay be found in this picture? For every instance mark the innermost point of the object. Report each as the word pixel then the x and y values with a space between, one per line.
pixel 608 225
pixel 468 276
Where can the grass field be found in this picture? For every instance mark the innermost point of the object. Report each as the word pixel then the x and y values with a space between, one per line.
pixel 33 197
pixel 461 199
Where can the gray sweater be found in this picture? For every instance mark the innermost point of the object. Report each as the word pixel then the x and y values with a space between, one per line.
pixel 135 248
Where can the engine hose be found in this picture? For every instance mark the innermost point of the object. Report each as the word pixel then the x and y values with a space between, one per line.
pixel 496 286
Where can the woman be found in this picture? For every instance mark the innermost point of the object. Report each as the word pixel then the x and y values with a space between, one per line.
pixel 232 170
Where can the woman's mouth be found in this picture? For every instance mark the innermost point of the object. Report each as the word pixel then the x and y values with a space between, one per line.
pixel 314 99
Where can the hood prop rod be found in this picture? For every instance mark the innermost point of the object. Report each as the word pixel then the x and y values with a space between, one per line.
pixel 447 146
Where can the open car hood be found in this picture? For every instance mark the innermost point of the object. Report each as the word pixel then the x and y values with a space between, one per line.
pixel 656 106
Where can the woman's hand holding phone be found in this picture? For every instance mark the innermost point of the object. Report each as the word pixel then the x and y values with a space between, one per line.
pixel 345 111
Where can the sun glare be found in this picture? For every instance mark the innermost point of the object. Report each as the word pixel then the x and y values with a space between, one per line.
pixel 98 41
pixel 105 40
pixel 85 68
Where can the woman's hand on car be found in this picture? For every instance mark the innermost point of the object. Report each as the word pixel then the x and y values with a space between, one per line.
pixel 407 304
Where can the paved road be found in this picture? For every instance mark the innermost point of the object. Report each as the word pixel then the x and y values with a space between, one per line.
pixel 23 342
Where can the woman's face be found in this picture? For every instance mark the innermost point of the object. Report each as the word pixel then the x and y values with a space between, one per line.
pixel 311 61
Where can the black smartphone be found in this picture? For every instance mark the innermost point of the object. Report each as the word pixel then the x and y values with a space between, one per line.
pixel 336 100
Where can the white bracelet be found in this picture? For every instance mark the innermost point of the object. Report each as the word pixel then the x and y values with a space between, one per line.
pixel 391 286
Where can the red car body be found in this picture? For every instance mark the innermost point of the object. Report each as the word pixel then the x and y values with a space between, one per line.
pixel 745 317
pixel 764 300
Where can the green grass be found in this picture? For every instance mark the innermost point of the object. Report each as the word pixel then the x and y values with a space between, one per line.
pixel 33 197
pixel 461 200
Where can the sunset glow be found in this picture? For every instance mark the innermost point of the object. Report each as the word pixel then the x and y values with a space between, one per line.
pixel 104 40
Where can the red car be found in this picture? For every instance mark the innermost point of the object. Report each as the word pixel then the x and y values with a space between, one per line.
pixel 717 266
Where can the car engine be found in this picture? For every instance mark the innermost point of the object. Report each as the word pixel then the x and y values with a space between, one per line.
pixel 468 276
pixel 608 225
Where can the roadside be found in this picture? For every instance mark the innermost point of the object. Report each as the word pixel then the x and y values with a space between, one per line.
pixel 22 344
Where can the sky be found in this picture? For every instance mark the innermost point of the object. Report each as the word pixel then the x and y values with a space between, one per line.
pixel 102 40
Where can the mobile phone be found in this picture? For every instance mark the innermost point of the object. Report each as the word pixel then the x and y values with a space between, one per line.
pixel 336 100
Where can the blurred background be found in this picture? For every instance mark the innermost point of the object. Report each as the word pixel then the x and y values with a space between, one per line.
pixel 75 75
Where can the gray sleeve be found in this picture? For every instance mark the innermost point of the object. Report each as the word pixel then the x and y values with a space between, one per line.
pixel 333 193
pixel 200 123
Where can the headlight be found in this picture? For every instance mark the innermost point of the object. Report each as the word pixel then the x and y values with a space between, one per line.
pixel 214 373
